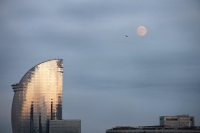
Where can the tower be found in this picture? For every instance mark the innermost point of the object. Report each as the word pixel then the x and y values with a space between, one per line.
pixel 38 98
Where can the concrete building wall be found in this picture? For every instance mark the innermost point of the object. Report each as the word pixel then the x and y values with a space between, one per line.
pixel 177 121
pixel 65 126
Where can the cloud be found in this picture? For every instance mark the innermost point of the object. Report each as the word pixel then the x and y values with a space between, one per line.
pixel 105 73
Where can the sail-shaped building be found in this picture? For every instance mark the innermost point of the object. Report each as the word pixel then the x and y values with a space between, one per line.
pixel 38 98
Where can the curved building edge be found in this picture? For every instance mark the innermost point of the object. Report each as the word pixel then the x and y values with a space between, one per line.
pixel 17 87
pixel 20 94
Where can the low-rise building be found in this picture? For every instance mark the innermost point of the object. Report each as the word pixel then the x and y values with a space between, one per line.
pixel 65 126
pixel 178 121
pixel 152 129
pixel 168 124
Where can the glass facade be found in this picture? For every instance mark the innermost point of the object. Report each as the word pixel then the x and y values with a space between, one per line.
pixel 38 98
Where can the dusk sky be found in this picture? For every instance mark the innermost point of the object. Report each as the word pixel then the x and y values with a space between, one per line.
pixel 109 79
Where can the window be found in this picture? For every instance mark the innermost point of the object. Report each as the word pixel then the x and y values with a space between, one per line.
pixel 171 119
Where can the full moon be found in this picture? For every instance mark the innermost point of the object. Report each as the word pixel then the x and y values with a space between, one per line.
pixel 141 30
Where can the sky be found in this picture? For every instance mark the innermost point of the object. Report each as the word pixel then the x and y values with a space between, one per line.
pixel 109 80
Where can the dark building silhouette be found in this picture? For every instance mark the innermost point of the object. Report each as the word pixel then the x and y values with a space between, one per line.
pixel 168 124
pixel 152 129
